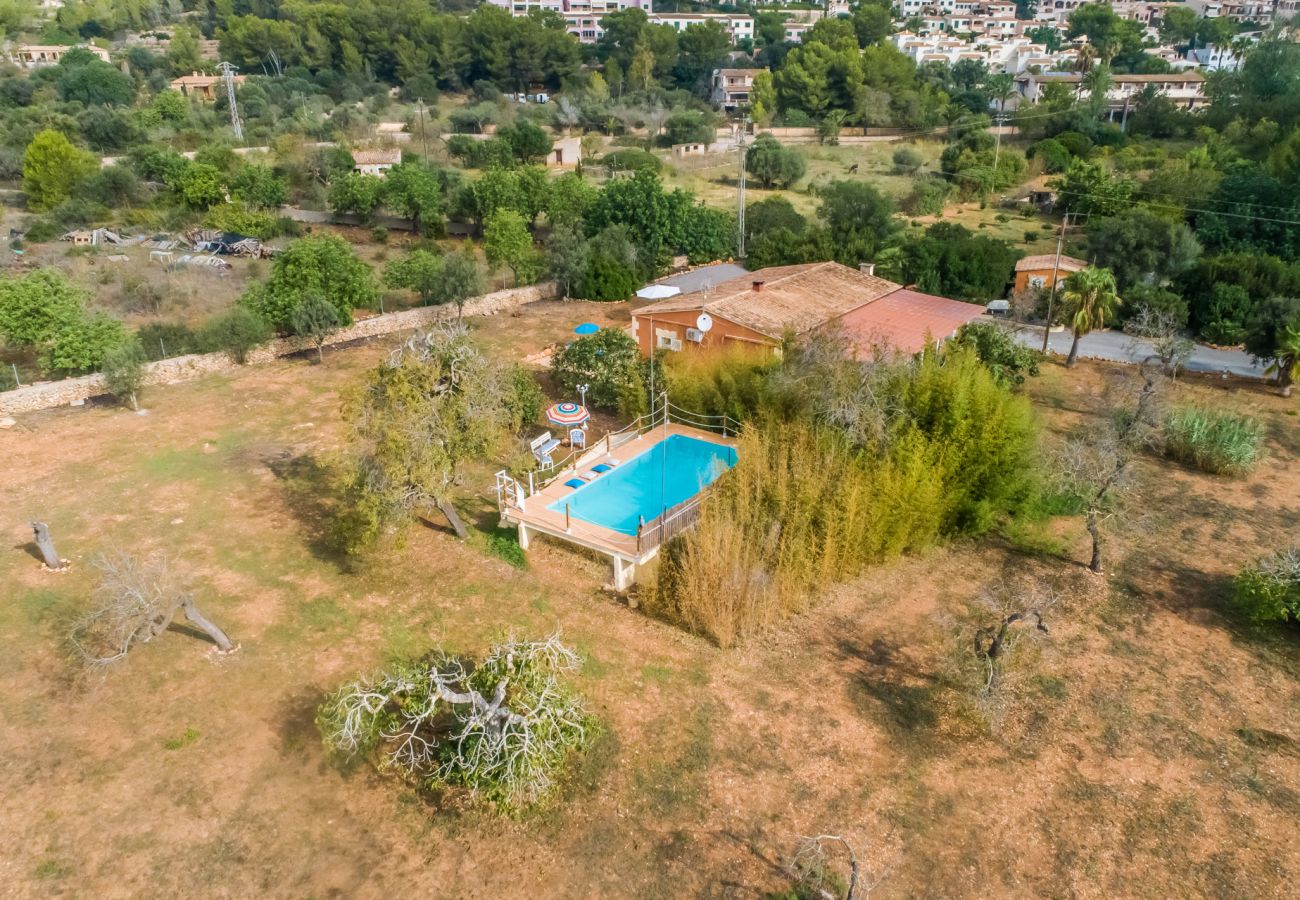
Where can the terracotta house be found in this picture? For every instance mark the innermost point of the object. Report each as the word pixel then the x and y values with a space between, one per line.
pixel 760 308
pixel 205 87
pixel 1034 273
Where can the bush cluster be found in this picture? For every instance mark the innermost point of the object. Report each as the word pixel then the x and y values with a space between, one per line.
pixel 812 501
pixel 1221 443
pixel 1269 591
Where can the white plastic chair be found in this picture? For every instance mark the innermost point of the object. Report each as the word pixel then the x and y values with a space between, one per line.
pixel 577 438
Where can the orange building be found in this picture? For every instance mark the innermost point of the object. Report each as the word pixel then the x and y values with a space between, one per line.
pixel 760 308
pixel 1034 273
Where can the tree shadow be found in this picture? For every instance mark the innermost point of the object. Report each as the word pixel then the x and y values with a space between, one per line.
pixel 191 631
pixel 890 681
pixel 312 497
pixel 31 550
pixel 295 722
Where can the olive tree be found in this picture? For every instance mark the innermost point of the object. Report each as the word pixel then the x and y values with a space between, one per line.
pixel 433 405
pixel 501 728
pixel 1095 467
pixel 124 371
pixel 315 320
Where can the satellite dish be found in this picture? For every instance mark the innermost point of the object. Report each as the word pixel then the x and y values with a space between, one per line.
pixel 704 321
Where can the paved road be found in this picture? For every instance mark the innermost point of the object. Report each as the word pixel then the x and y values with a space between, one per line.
pixel 1119 347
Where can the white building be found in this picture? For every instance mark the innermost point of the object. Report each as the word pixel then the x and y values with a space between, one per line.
pixel 739 27
pixel 794 31
pixel 581 17
pixel 1012 54
pixel 35 56
pixel 1186 89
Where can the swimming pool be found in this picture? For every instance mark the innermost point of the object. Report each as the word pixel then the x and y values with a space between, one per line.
pixel 672 471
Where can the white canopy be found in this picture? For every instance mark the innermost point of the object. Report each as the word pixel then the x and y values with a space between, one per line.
pixel 658 291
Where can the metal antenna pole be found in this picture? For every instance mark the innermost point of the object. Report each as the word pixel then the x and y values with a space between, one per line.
pixel 1056 274
pixel 229 70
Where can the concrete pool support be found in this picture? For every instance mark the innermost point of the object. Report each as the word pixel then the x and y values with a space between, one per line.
pixel 532 518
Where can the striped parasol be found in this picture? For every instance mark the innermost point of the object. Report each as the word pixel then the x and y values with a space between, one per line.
pixel 567 414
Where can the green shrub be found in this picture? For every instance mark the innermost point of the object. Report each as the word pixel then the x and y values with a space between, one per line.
pixel 1008 360
pixel 1221 443
pixel 161 340
pixel 605 361
pixel 503 543
pixel 237 218
pixel 632 159
pixel 236 332
pixel 123 369
pixel 1269 591
pixel 525 399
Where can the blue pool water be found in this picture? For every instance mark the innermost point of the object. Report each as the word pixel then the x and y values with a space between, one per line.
pixel 672 471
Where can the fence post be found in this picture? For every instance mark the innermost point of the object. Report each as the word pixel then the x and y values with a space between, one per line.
pixel 568 526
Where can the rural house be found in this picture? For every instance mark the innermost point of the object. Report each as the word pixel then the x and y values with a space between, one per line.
pixel 759 308
pixel 1033 273
pixel 375 162
pixel 205 87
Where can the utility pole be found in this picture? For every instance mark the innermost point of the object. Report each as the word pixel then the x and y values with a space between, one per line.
pixel 740 200
pixel 229 71
pixel 424 140
pixel 1056 274
pixel 997 145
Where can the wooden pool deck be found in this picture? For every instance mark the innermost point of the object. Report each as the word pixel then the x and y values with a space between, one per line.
pixel 532 516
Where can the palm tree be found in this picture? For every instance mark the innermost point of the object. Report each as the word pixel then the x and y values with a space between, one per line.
pixel 1089 299
pixel 1286 364
pixel 1001 87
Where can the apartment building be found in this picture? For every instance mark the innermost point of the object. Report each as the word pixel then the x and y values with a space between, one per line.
pixel 1185 88
pixel 740 28
pixel 1013 54
pixel 581 17
pixel 794 31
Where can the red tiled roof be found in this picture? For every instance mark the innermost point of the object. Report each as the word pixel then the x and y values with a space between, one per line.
pixel 1048 261
pixel 904 320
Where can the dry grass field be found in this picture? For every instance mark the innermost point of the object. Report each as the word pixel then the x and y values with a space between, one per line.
pixel 1148 746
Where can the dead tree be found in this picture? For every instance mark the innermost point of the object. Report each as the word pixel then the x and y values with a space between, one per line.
pixel 1166 335
pixel 812 868
pixel 44 543
pixel 135 602
pixel 1096 467
pixel 992 643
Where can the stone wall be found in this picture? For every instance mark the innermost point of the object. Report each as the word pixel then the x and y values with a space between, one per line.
pixel 183 368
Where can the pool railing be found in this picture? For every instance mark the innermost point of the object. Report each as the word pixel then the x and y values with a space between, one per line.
pixel 664 413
